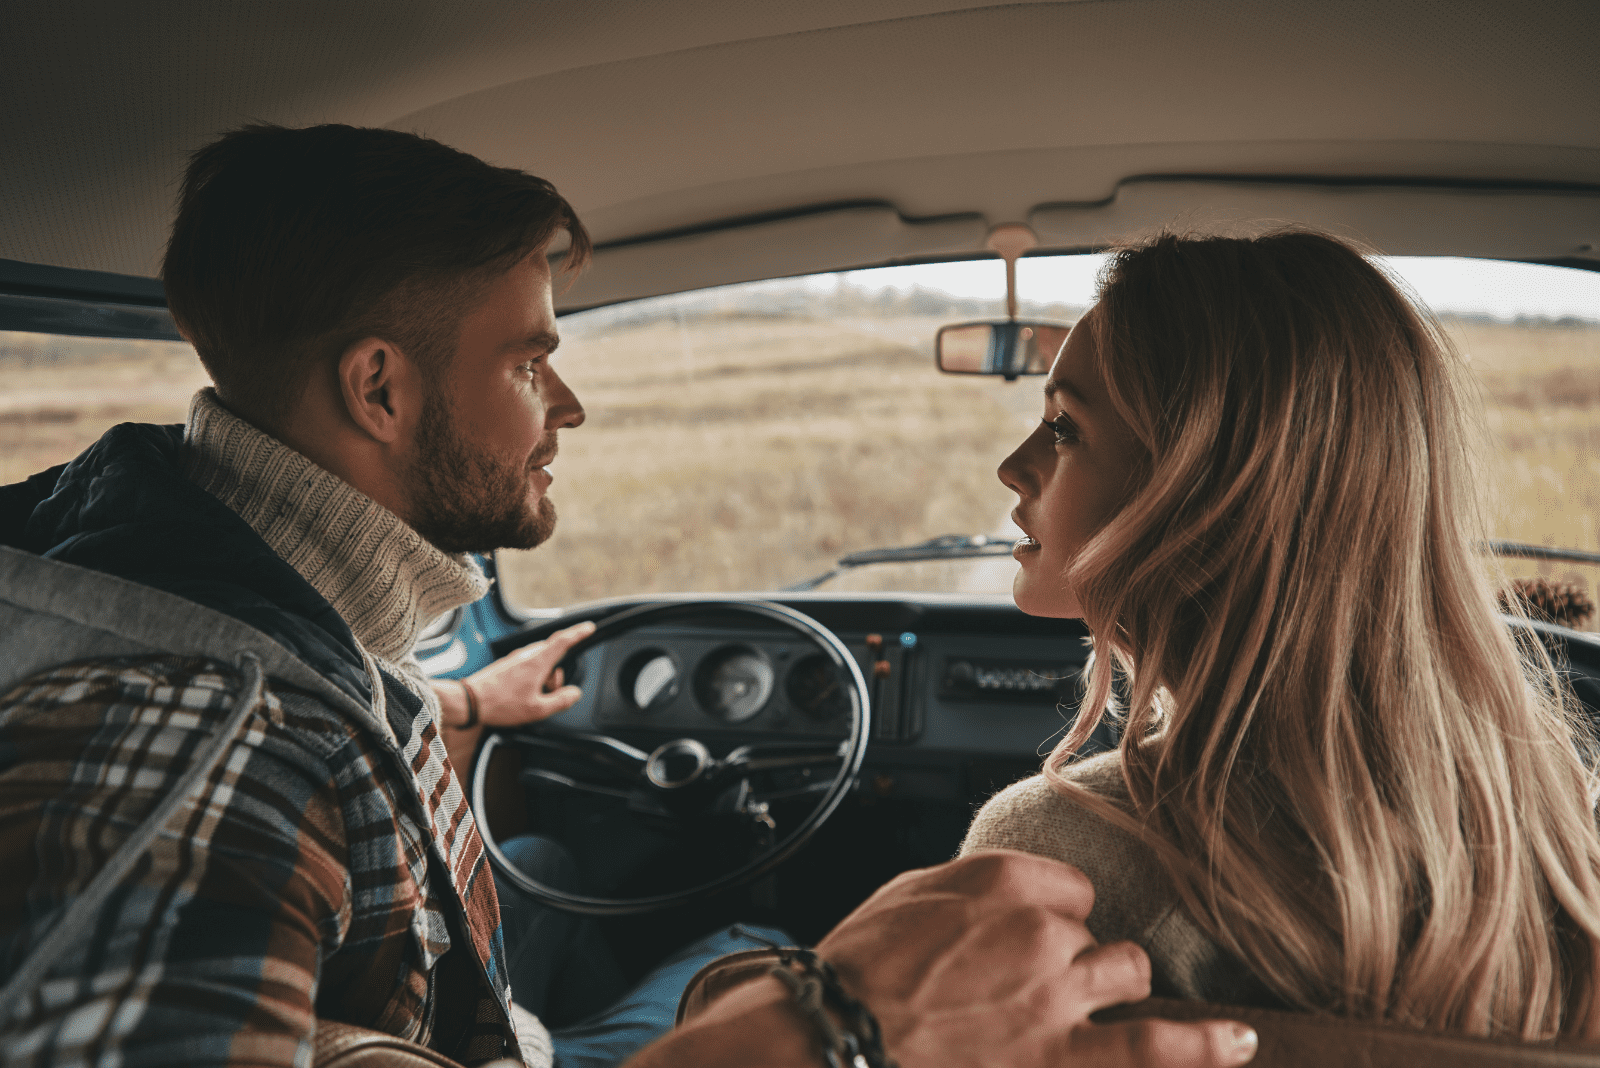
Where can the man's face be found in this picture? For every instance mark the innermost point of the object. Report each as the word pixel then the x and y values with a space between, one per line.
pixel 488 426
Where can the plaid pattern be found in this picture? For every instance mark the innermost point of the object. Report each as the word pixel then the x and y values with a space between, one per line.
pixel 312 878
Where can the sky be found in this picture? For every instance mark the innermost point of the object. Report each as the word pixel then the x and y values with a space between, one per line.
pixel 1446 284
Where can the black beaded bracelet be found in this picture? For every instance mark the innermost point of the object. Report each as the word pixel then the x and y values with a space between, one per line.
pixel 857 1040
pixel 472 708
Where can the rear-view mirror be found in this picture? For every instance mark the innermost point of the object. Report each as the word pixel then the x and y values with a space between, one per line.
pixel 1002 347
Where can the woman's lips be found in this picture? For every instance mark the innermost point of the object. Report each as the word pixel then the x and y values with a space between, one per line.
pixel 1025 544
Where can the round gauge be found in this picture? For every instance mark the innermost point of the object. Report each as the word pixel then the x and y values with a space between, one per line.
pixel 733 683
pixel 815 687
pixel 649 679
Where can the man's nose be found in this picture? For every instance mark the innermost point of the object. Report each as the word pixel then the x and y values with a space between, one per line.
pixel 563 411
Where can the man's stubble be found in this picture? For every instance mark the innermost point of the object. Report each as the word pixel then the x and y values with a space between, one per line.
pixel 463 500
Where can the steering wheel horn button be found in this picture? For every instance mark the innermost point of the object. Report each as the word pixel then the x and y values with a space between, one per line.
pixel 677 764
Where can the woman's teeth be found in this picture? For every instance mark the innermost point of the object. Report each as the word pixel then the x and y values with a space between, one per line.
pixel 1024 544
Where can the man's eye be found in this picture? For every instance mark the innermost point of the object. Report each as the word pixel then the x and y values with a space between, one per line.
pixel 1065 430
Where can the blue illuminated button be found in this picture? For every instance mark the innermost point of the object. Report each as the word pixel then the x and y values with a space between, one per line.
pixel 908 640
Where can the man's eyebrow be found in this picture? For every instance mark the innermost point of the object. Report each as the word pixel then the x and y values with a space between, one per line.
pixel 546 341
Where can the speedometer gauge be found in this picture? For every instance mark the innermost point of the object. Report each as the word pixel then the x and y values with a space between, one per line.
pixel 817 688
pixel 650 679
pixel 733 683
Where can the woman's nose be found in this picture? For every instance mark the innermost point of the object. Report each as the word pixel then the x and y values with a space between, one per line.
pixel 1010 470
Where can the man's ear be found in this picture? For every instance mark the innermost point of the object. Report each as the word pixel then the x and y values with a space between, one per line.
pixel 373 383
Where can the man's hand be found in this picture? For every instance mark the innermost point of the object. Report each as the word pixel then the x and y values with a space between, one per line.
pixel 986 961
pixel 524 686
pixel 981 961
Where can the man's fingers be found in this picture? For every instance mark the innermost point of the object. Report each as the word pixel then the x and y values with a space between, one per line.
pixel 1163 1044
pixel 1109 975
pixel 548 704
pixel 557 677
pixel 572 635
pixel 995 879
pixel 553 648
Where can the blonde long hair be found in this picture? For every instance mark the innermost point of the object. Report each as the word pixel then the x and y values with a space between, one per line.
pixel 1360 783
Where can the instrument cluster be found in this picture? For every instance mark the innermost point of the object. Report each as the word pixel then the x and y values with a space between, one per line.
pixel 703 679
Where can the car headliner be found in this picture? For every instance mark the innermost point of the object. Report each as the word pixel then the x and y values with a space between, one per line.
pixel 723 140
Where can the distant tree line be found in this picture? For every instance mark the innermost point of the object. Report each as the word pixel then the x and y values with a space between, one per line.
pixel 846 298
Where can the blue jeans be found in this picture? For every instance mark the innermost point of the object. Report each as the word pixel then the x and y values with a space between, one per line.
pixel 562 971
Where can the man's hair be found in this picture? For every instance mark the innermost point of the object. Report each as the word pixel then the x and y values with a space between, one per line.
pixel 291 245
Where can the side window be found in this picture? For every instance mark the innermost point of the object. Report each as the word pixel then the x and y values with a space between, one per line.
pixel 59 394
pixel 1531 335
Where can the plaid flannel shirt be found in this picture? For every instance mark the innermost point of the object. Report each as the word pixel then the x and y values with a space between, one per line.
pixel 312 878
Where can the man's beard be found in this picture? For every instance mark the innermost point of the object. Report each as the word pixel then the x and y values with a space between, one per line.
pixel 467 502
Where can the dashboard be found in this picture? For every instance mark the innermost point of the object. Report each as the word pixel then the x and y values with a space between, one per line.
pixel 965 695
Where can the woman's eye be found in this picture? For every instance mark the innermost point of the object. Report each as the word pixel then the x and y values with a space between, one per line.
pixel 1065 430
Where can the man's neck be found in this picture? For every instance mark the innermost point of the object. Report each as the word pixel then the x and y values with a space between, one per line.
pixel 379 574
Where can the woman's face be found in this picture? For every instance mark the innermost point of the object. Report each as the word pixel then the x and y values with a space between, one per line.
pixel 1070 476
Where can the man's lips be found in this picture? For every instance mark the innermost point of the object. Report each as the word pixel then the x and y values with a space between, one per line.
pixel 539 476
pixel 539 465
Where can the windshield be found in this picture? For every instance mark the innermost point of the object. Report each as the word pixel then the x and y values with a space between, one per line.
pixel 744 438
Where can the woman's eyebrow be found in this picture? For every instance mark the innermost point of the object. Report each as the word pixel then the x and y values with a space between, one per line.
pixel 1052 386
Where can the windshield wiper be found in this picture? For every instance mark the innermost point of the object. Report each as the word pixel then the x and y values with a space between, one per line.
pixel 948 547
pixel 1541 552
pixel 957 546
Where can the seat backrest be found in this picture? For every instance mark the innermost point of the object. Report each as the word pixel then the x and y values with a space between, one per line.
pixel 1288 1039
pixel 1305 1040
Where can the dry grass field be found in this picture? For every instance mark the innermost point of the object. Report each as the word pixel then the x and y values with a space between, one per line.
pixel 744 453
pixel 58 394
pixel 1541 389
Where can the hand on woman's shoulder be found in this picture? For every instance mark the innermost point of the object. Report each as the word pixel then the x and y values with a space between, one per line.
pixel 1133 893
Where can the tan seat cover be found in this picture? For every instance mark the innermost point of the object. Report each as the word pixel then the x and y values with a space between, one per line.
pixel 1302 1040
pixel 341 1045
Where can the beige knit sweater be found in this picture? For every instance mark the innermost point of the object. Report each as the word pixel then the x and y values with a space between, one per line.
pixel 1134 897
pixel 381 576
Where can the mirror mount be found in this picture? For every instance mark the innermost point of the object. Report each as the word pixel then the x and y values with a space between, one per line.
pixel 1009 347
pixel 1011 240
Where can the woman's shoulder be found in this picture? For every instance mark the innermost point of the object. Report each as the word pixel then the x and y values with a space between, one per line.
pixel 1132 889
pixel 1134 896
pixel 1032 816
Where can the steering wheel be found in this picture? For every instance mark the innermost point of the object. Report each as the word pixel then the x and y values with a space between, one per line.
pixel 681 778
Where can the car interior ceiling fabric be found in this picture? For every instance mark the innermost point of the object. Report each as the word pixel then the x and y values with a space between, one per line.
pixel 581 94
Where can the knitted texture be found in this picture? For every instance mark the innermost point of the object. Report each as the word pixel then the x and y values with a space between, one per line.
pixel 1134 897
pixel 381 576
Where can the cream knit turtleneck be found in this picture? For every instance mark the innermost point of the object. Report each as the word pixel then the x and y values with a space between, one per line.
pixel 381 576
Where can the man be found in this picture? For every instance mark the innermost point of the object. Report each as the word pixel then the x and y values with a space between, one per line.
pixel 228 801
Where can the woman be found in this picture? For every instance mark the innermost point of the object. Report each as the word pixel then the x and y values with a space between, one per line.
pixel 1341 786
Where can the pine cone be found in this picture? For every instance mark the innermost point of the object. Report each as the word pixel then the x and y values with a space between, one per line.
pixel 1560 603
